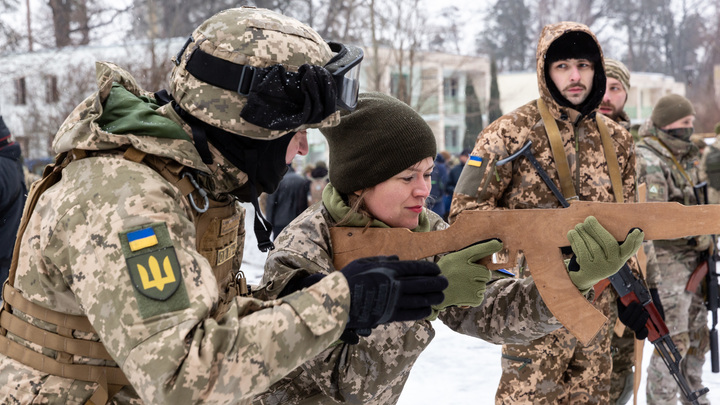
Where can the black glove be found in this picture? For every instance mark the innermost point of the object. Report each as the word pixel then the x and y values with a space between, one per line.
pixel 385 289
pixel 634 316
pixel 656 301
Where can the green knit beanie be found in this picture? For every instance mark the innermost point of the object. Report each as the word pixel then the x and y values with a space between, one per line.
pixel 382 137
pixel 671 108
pixel 717 128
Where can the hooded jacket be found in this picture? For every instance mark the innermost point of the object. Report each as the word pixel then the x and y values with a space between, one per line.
pixel 79 256
pixel 517 185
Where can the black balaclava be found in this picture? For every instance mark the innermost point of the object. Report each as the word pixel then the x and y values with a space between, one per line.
pixel 577 45
pixel 263 161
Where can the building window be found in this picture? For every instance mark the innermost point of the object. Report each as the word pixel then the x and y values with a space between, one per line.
pixel 51 87
pixel 400 85
pixel 450 87
pixel 20 91
pixel 452 141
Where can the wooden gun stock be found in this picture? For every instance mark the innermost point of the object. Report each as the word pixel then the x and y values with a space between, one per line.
pixel 539 234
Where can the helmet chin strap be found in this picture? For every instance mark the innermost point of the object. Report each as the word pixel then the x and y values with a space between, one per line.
pixel 249 164
pixel 262 227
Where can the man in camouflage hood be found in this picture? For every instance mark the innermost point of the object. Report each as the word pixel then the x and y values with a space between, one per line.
pixel 126 286
pixel 571 79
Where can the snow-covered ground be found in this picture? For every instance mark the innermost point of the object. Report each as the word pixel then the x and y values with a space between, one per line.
pixel 455 369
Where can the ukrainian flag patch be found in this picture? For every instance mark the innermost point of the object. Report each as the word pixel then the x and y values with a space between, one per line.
pixel 142 239
pixel 475 161
pixel 154 269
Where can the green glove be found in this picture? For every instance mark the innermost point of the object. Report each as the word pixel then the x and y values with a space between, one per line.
pixel 466 279
pixel 597 253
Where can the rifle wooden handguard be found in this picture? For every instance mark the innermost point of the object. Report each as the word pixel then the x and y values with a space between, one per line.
pixel 697 276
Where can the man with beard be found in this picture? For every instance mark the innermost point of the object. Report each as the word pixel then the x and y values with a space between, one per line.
pixel 556 368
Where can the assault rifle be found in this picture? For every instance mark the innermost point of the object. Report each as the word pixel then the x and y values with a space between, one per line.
pixel 539 234
pixel 707 270
pixel 630 289
pixel 713 301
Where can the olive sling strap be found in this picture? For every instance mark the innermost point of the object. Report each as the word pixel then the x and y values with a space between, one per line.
pixel 561 162
pixel 558 152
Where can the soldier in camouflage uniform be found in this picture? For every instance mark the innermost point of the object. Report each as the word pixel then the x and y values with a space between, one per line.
pixel 373 369
pixel 126 288
pixel 710 168
pixel 556 368
pixel 668 165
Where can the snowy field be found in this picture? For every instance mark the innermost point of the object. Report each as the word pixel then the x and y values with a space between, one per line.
pixel 454 369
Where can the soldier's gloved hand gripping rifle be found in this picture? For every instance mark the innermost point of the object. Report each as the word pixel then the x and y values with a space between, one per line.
pixel 540 234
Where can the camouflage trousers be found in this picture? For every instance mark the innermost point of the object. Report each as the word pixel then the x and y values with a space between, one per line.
pixel 557 369
pixel 623 361
pixel 686 318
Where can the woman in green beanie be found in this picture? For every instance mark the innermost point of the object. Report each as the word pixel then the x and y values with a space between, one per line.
pixel 381 158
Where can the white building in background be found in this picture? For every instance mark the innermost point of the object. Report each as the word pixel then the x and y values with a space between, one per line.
pixel 518 88
pixel 39 89
pixel 435 84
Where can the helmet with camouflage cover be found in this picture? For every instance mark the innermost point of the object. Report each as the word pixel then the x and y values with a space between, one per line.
pixel 252 37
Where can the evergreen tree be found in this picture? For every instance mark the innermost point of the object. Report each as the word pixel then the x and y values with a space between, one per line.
pixel 494 111
pixel 473 117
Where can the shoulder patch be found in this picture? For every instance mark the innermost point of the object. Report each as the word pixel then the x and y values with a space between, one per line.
pixel 472 175
pixel 154 269
pixel 655 192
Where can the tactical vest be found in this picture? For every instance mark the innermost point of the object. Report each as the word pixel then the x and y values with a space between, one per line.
pixel 220 236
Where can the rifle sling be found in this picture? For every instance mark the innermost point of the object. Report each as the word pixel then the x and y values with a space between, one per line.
pixel 610 158
pixel 561 162
pixel 558 151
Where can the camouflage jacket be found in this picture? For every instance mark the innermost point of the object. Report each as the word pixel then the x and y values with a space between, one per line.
pixel 74 259
pixel 668 182
pixel 710 170
pixel 375 370
pixel 517 185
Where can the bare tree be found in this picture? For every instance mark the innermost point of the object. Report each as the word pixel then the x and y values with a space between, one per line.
pixel 11 39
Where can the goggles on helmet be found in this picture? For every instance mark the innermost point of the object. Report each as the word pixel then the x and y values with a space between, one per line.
pixel 344 68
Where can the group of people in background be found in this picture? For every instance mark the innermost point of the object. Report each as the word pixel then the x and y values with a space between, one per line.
pixel 295 193
pixel 152 181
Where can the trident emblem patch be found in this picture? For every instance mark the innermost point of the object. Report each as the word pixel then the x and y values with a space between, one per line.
pixel 154 269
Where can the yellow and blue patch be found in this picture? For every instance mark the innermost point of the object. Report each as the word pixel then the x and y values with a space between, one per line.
pixel 142 239
pixel 154 269
pixel 472 175
pixel 475 161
